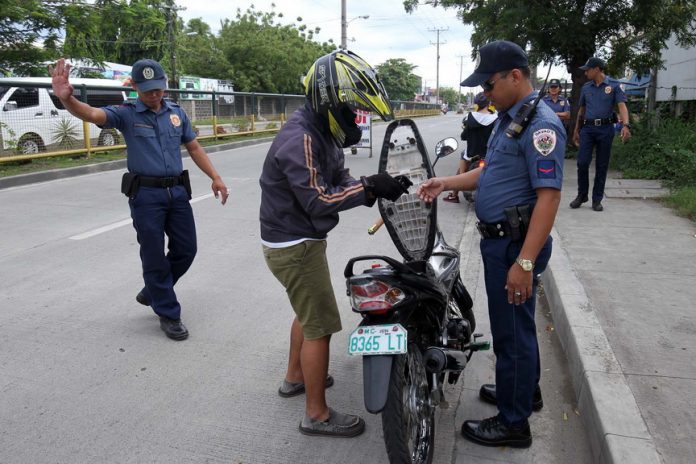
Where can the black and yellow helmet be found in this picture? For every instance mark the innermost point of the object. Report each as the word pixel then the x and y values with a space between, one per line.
pixel 340 83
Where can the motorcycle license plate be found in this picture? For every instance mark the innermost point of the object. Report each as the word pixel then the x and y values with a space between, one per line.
pixel 378 339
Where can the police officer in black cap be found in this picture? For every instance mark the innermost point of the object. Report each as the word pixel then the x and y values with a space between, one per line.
pixel 156 184
pixel 595 128
pixel 518 193
pixel 557 102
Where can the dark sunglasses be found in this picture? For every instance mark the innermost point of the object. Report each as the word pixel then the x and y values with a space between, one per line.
pixel 487 86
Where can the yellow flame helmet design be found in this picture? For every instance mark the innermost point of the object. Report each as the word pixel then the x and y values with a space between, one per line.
pixel 339 84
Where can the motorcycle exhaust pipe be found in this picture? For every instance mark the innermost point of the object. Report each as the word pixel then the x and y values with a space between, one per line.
pixel 443 359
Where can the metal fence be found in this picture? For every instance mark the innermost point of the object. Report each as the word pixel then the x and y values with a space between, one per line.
pixel 34 124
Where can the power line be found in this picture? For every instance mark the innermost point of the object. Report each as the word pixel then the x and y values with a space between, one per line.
pixel 437 69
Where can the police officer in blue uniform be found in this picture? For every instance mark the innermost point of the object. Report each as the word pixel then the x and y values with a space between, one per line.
pixel 156 184
pixel 518 193
pixel 595 128
pixel 557 102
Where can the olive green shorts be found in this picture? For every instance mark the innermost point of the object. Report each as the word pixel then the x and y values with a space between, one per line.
pixel 304 272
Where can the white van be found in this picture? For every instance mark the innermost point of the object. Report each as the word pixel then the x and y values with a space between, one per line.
pixel 33 120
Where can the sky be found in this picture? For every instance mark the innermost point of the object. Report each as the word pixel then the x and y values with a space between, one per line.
pixel 389 32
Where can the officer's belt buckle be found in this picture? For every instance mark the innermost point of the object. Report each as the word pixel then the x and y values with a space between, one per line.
pixel 597 122
pixel 169 182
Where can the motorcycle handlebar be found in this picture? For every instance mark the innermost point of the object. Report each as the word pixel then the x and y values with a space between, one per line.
pixel 375 227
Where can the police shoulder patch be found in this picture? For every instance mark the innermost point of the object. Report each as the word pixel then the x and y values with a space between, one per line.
pixel 544 141
pixel 546 169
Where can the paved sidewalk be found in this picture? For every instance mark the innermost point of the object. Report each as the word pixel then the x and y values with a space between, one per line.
pixel 621 284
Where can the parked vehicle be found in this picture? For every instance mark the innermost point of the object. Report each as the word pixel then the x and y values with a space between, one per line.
pixel 33 119
pixel 417 327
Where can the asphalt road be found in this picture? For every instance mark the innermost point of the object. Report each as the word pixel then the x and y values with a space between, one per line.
pixel 86 375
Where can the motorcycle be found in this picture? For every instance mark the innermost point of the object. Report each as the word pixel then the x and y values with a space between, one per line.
pixel 417 327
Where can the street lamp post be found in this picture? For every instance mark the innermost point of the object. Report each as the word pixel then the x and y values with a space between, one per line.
pixel 344 24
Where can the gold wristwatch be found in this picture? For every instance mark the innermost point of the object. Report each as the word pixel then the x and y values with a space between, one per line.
pixel 525 264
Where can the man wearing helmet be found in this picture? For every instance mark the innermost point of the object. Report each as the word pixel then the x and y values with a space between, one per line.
pixel 304 185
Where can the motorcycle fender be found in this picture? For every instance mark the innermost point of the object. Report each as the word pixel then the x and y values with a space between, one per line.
pixel 376 374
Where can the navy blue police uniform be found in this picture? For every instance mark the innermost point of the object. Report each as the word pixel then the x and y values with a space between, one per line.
pixel 561 105
pixel 515 168
pixel 154 151
pixel 597 131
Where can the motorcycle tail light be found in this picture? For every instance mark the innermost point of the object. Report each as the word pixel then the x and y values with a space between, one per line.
pixel 374 296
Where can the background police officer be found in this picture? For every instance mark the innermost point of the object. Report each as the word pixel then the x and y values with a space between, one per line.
pixel 520 171
pixel 557 102
pixel 154 130
pixel 595 128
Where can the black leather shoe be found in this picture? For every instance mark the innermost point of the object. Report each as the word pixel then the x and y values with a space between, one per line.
pixel 142 299
pixel 176 330
pixel 597 206
pixel 492 432
pixel 579 200
pixel 487 394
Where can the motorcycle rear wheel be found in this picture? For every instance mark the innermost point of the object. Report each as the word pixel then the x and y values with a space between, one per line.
pixel 408 418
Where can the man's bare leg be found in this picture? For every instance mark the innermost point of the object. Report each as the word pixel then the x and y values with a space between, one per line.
pixel 294 374
pixel 314 358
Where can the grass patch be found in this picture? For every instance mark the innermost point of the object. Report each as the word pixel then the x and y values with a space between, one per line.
pixel 666 152
pixel 14 168
pixel 684 201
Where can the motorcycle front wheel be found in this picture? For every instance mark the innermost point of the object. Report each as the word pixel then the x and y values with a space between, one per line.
pixel 408 418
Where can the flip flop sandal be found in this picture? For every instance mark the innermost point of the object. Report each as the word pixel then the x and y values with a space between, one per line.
pixel 289 389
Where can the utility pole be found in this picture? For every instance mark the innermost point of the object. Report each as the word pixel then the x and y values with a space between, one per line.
pixel 437 68
pixel 170 10
pixel 459 98
pixel 344 25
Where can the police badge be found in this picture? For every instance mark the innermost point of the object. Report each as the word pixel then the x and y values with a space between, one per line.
pixel 544 141
pixel 148 73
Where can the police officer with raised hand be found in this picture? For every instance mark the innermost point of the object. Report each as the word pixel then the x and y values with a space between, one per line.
pixel 557 102
pixel 595 128
pixel 156 183
pixel 518 193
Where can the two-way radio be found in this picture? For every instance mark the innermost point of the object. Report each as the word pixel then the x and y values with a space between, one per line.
pixel 525 113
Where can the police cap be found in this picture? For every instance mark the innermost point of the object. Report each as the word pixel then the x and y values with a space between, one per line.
pixel 554 82
pixel 593 62
pixel 149 75
pixel 494 57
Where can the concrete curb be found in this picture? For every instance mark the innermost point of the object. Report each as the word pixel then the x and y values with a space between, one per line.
pixel 618 433
pixel 43 176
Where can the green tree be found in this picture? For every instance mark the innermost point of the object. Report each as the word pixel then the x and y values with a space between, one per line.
pixel 626 33
pixel 122 31
pixel 198 52
pixel 24 25
pixel 266 56
pixel 398 78
pixel 449 95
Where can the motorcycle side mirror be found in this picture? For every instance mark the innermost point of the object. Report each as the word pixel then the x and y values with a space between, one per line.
pixel 445 147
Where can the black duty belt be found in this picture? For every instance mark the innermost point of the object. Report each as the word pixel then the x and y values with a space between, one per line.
pixel 597 122
pixel 161 182
pixel 496 230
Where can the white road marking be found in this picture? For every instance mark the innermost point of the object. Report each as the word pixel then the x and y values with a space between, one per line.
pixel 101 230
pixel 125 222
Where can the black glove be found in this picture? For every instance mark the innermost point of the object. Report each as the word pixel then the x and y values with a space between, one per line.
pixel 383 185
